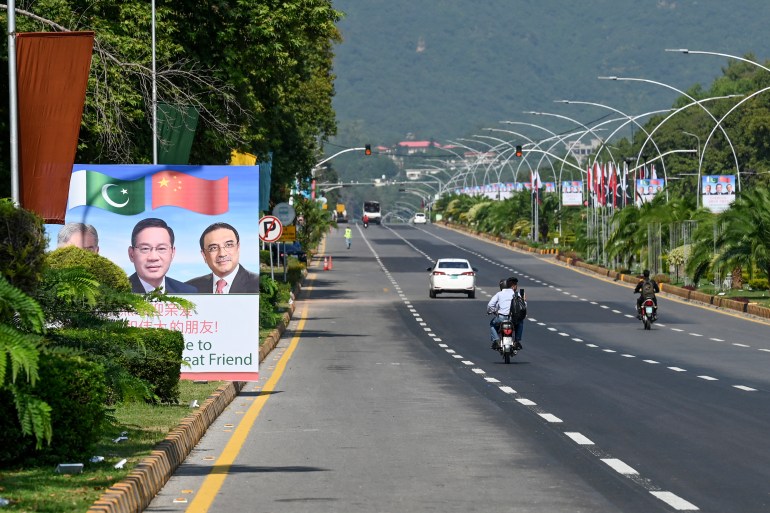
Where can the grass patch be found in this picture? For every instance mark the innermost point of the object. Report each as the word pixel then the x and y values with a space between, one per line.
pixel 42 490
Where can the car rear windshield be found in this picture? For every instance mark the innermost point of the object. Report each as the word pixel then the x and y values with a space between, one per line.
pixel 453 265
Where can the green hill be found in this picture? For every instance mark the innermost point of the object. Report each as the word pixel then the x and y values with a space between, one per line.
pixel 444 69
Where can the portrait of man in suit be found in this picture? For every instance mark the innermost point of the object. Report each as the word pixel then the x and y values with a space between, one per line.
pixel 152 251
pixel 220 247
pixel 78 234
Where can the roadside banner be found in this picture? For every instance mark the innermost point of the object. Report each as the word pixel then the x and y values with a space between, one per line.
pixel 211 212
pixel 717 192
pixel 572 193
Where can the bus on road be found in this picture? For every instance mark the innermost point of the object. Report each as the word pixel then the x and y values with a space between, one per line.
pixel 372 211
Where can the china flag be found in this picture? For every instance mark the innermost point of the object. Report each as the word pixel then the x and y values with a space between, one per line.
pixel 175 189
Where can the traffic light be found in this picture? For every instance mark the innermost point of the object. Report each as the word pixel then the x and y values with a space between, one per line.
pixel 518 150
pixel 368 149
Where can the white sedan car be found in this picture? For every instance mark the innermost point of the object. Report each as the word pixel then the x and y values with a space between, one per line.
pixel 452 275
pixel 419 218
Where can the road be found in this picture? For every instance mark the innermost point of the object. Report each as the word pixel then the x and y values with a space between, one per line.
pixel 380 399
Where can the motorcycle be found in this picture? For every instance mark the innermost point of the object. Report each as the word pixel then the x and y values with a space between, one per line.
pixel 506 347
pixel 648 313
pixel 365 222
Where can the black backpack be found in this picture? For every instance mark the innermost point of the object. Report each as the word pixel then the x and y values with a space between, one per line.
pixel 518 308
pixel 648 289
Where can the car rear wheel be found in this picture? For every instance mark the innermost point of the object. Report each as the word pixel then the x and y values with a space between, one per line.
pixel 472 294
pixel 432 293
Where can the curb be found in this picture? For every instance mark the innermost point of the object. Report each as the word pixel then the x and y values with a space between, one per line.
pixel 135 492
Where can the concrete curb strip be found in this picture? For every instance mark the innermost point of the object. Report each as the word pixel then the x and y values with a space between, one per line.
pixel 134 493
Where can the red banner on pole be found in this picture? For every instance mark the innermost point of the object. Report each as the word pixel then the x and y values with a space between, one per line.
pixel 52 75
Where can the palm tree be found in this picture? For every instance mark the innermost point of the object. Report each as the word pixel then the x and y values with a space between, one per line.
pixel 743 240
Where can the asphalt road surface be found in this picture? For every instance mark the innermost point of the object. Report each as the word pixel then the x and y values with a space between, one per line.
pixel 380 399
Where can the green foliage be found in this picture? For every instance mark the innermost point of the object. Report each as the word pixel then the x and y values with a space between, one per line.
pixel 72 391
pixel 759 284
pixel 21 323
pixel 102 269
pixel 22 246
pixel 138 362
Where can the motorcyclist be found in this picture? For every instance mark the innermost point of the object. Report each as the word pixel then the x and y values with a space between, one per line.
pixel 646 288
pixel 500 307
pixel 365 219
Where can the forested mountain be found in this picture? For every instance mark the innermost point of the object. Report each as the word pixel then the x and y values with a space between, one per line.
pixel 443 69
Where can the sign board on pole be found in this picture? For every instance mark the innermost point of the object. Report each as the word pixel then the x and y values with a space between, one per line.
pixel 270 229
pixel 289 234
pixel 284 212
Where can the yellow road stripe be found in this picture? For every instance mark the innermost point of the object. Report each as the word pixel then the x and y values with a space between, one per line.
pixel 219 472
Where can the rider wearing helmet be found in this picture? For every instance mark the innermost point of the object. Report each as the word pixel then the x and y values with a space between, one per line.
pixel 646 288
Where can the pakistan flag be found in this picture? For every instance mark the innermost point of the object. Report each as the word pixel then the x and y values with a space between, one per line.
pixel 89 188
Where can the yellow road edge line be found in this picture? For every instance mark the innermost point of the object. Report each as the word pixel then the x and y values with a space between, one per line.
pixel 219 472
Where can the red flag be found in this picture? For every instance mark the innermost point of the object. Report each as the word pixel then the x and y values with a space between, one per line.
pixel 613 185
pixel 590 181
pixel 52 78
pixel 175 189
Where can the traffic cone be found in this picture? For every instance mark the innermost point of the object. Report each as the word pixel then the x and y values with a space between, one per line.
pixel 330 263
pixel 326 263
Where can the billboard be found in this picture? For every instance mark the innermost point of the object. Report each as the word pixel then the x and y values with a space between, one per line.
pixel 191 230
pixel 647 188
pixel 717 192
pixel 572 193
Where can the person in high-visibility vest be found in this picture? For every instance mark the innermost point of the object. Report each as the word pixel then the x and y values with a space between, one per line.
pixel 348 236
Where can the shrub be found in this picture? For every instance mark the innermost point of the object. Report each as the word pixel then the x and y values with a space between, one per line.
pixel 151 356
pixel 759 284
pixel 662 278
pixel 75 390
pixel 104 270
pixel 22 247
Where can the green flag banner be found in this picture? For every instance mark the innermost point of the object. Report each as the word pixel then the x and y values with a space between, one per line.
pixel 176 130
pixel 125 197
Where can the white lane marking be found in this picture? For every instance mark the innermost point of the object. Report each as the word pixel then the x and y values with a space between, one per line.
pixel 591 345
pixel 491 380
pixel 661 325
pixel 478 371
pixel 695 334
pixel 674 329
pixel 616 311
pixel 577 339
pixel 604 306
pixel 450 351
pixel 620 467
pixel 745 388
pixel 436 339
pixel 651 361
pixel 467 362
pixel 633 317
pixel 628 356
pixel 717 339
pixel 765 350
pixel 541 324
pixel 564 334
pixel 459 356
pixel 526 402
pixel 594 303
pixel 675 501
pixel 677 369
pixel 443 345
pixel 740 345
pixel 508 390
pixel 708 378
pixel 578 438
pixel 550 417
pixel 609 351
pixel 552 329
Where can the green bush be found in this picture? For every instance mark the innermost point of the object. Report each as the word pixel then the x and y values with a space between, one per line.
pixel 104 270
pixel 22 247
pixel 153 356
pixel 662 278
pixel 75 390
pixel 759 284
